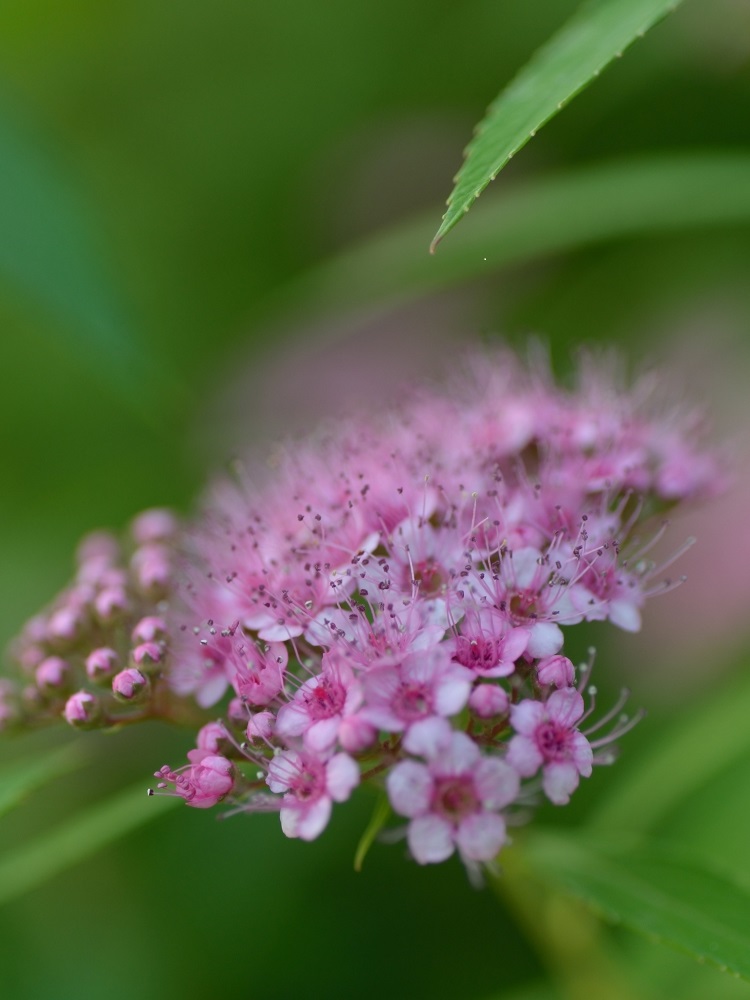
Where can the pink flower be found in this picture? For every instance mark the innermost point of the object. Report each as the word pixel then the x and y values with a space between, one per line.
pixel 417 687
pixel 311 784
pixel 548 738
pixel 319 707
pixel 208 779
pixel 454 801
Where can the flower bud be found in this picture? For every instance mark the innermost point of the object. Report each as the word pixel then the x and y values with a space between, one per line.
pixel 150 629
pixel 148 655
pixel 557 670
pixel 152 570
pixel 110 605
pixel 213 737
pixel 101 664
pixel 52 675
pixel 488 700
pixel 130 685
pixel 156 525
pixel 260 726
pixel 83 710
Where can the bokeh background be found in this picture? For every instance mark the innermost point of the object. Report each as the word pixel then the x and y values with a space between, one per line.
pixel 173 177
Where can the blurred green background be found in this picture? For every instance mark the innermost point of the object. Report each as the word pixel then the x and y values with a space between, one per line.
pixel 173 175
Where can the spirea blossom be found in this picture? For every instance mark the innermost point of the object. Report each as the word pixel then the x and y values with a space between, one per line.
pixel 387 602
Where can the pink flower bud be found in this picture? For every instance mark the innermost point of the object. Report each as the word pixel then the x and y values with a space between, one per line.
pixel 148 655
pixel 111 604
pixel 260 726
pixel 212 737
pixel 82 710
pixel 156 525
pixel 151 629
pixel 203 782
pixel 65 623
pixel 52 675
pixel 152 570
pixel 101 664
pixel 557 670
pixel 237 712
pixel 98 545
pixel 129 685
pixel 488 700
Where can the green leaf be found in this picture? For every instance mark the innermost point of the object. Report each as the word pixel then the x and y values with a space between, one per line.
pixel 671 899
pixel 33 863
pixel 638 197
pixel 51 258
pixel 687 757
pixel 597 33
pixel 20 779
pixel 379 818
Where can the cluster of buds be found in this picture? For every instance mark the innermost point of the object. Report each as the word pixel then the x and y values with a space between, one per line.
pixel 385 603
pixel 98 654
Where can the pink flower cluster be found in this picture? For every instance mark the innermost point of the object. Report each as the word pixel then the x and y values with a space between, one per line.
pixel 93 653
pixel 385 602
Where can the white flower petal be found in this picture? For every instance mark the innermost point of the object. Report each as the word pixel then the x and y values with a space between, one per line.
pixel 430 839
pixel 410 788
pixel 481 836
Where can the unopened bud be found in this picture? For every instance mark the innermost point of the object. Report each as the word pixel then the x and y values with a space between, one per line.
pixel 156 525
pixel 488 700
pixel 111 604
pixel 52 675
pixel 82 710
pixel 130 685
pixel 148 655
pixel 260 726
pixel 151 629
pixel 152 570
pixel 102 664
pixel 557 670
pixel 214 738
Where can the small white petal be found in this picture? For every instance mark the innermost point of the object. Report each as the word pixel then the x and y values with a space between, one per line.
pixel 481 836
pixel 430 839
pixel 560 780
pixel 410 788
pixel 524 755
pixel 342 776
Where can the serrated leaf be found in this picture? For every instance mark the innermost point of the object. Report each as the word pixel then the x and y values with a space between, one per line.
pixel 379 818
pixel 597 34
pixel 671 899
pixel 73 841
pixel 20 779
pixel 638 197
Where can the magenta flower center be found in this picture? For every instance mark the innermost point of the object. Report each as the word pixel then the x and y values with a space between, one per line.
pixel 477 654
pixel 553 740
pixel 309 783
pixel 454 798
pixel 431 577
pixel 325 700
pixel 411 702
pixel 523 605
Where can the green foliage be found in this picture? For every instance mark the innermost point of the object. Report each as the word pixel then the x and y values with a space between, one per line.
pixel 76 839
pixel 653 890
pixel 20 779
pixel 380 815
pixel 598 33
pixel 584 206
pixel 165 210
